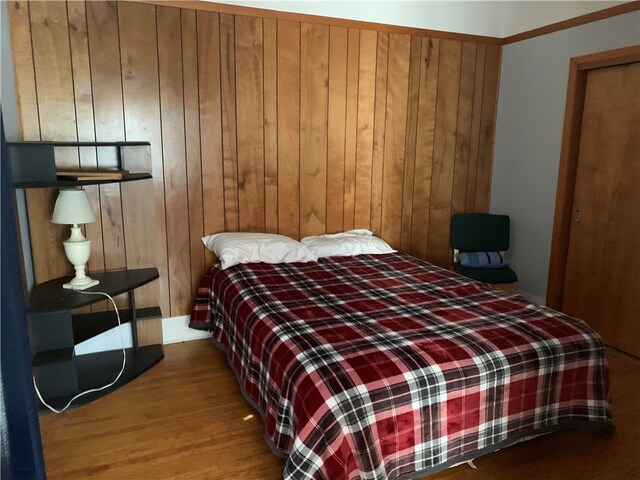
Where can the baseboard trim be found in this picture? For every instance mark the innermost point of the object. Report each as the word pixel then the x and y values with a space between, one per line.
pixel 176 330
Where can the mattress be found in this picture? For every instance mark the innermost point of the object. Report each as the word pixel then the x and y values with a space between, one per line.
pixel 388 367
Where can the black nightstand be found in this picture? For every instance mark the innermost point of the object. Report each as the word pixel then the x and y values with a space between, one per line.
pixel 60 374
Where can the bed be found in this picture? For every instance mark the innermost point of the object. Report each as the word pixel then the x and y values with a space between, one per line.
pixel 387 367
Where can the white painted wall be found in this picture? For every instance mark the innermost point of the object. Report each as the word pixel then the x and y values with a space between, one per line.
pixel 496 18
pixel 522 16
pixel 531 103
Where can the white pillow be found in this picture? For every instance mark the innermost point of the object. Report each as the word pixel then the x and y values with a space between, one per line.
pixel 353 242
pixel 233 248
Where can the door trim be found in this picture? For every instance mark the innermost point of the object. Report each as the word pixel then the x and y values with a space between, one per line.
pixel 578 69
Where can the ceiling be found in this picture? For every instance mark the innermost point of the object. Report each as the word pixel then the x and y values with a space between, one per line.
pixel 491 18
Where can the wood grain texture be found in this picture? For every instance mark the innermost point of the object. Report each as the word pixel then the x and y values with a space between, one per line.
pixel 174 414
pixel 51 51
pixel 314 94
pixel 48 26
pixel 463 130
pixel 351 129
pixel 413 105
pixel 256 124
pixel 250 115
pixel 578 70
pixel 82 89
pixel 208 28
pixel 174 157
pixel 270 125
pixel 395 139
pixel 192 145
pixel 106 78
pixel 229 127
pixel 487 128
pixel 338 52
pixel 145 236
pixel 424 147
pixel 364 141
pixel 289 128
pixel 377 165
pixel 25 81
pixel 474 139
pixel 602 280
pixel 315 19
pixel 444 145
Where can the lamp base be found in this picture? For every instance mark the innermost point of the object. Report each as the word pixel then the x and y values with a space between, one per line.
pixel 81 286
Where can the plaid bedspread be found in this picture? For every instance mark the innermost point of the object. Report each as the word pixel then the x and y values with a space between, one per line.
pixel 383 366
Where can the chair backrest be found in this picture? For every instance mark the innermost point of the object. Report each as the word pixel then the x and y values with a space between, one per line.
pixel 480 232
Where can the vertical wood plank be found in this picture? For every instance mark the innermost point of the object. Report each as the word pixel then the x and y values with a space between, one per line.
pixel 424 147
pixel 487 127
pixel 255 124
pixel 351 124
pixel 366 110
pixel 463 130
pixel 395 138
pixel 314 81
pixel 476 118
pixel 289 128
pixel 146 235
pixel 249 88
pixel 338 45
pixel 444 152
pixel 270 97
pixel 229 129
pixel 208 27
pixel 52 63
pixel 314 78
pixel 56 121
pixel 82 88
pixel 192 145
pixel 25 81
pixel 102 26
pixel 174 157
pixel 382 60
pixel 413 103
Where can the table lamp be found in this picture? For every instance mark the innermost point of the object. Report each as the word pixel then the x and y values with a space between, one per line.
pixel 73 208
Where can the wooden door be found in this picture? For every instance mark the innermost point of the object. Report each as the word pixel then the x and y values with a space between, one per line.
pixel 602 282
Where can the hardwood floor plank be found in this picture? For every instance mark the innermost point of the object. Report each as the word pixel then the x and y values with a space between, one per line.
pixel 186 419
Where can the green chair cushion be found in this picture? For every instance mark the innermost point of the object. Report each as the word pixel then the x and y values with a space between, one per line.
pixel 488 275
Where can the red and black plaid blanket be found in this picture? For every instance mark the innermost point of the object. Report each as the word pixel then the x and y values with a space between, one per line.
pixel 382 366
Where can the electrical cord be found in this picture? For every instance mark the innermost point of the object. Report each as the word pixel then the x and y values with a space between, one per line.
pixel 92 390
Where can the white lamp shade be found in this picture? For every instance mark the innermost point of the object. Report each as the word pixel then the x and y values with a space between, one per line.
pixel 72 207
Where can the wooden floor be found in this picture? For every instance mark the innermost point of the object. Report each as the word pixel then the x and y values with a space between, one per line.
pixel 186 419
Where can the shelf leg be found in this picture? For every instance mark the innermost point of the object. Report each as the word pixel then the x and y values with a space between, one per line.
pixel 134 321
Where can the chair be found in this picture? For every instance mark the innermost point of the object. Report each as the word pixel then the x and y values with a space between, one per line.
pixel 483 232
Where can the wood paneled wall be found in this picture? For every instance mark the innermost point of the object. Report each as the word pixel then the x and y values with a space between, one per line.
pixel 255 124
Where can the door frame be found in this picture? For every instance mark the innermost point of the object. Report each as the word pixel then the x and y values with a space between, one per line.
pixel 578 69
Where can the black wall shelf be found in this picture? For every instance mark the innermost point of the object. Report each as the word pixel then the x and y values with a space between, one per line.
pixel 60 373
pixel 131 177
pixel 33 164
pixel 50 296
